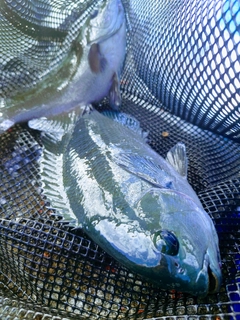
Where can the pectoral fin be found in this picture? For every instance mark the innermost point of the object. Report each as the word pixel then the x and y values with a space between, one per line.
pixel 177 157
pixel 96 60
pixel 144 168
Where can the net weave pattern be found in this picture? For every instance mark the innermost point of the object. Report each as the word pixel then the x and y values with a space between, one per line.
pixel 181 81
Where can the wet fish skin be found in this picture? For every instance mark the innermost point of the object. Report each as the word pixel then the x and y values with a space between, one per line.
pixel 138 208
pixel 88 73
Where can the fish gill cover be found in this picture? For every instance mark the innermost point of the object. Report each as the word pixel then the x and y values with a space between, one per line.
pixel 181 82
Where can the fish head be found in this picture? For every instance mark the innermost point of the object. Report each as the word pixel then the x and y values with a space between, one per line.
pixel 186 240
pixel 104 21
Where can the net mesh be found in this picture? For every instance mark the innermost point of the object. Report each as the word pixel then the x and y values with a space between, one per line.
pixel 185 54
pixel 179 57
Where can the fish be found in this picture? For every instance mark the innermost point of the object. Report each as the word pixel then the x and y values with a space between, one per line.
pixel 137 206
pixel 85 68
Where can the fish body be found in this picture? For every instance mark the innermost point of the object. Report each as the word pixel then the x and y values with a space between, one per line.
pixel 86 72
pixel 138 206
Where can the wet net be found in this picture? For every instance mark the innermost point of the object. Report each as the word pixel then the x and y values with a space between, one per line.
pixel 181 81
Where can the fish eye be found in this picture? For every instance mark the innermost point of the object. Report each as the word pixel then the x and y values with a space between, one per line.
pixel 166 242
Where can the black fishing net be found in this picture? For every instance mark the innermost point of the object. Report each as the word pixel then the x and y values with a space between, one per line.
pixel 181 81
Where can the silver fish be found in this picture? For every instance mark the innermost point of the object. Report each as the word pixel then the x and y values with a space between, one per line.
pixel 85 68
pixel 137 206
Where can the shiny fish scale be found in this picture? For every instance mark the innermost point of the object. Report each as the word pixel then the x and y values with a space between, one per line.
pixel 99 163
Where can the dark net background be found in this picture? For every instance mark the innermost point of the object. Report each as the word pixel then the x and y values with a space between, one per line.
pixel 181 81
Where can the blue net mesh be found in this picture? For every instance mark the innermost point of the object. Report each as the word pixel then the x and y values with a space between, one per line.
pixel 186 55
